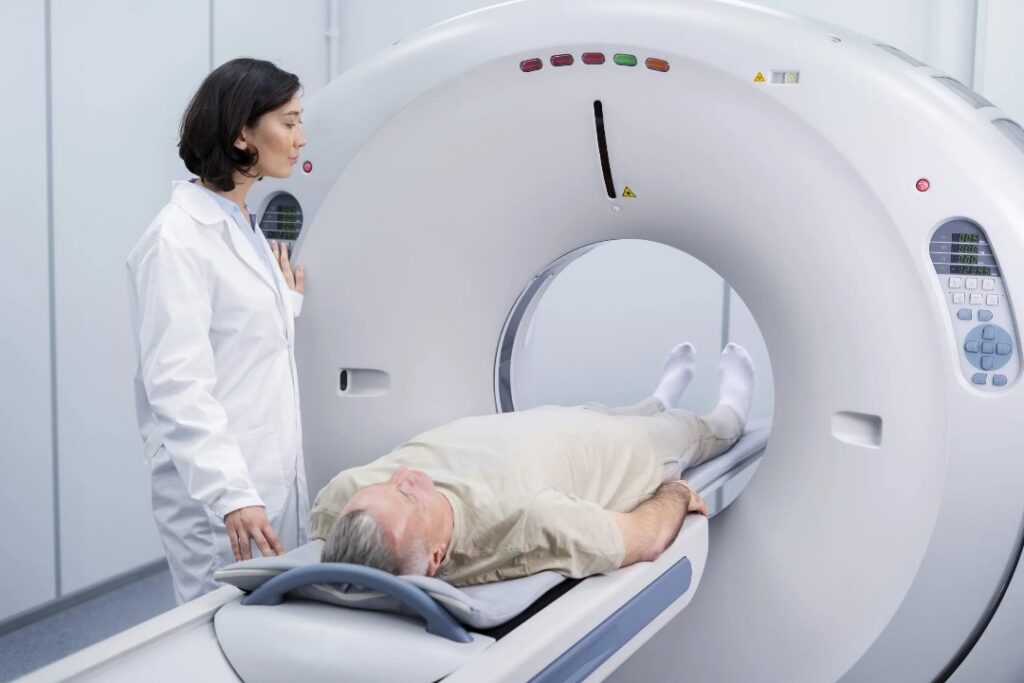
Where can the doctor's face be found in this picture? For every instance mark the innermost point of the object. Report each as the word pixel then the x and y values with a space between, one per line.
pixel 277 136
pixel 401 505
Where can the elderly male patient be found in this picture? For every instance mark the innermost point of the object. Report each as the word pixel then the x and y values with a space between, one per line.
pixel 577 490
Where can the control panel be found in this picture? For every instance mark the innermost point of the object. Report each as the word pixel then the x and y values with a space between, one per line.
pixel 983 323
pixel 282 219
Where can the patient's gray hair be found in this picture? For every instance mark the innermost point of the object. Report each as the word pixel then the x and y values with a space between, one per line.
pixel 357 538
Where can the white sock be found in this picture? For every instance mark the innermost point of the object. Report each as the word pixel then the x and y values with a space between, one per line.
pixel 678 372
pixel 736 380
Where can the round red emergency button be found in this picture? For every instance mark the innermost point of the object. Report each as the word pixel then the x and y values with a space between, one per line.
pixel 307 166
pixel 923 185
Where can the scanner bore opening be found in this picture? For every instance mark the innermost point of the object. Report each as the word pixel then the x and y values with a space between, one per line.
pixel 596 326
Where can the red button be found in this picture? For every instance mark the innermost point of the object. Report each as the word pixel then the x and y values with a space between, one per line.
pixel 593 58
pixel 561 60
pixel 530 65
pixel 923 185
pixel 307 166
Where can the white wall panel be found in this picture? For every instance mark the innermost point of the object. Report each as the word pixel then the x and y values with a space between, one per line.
pixel 123 72
pixel 26 448
pixel 603 328
pixel 292 35
pixel 998 65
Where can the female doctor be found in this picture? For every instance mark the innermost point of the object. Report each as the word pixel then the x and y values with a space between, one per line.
pixel 212 307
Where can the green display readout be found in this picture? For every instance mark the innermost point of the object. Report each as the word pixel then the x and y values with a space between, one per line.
pixel 967 237
pixel 964 249
pixel 970 270
pixel 288 216
pixel 962 258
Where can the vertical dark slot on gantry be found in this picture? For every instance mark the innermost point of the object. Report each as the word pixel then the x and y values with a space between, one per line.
pixel 602 147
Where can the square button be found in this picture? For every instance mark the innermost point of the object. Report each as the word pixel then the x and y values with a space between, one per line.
pixel 971 283
pixel 988 332
pixel 992 300
pixel 988 347
pixel 959 298
pixel 956 283
pixel 977 298
pixel 988 283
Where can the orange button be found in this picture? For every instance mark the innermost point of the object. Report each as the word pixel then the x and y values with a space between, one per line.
pixel 657 64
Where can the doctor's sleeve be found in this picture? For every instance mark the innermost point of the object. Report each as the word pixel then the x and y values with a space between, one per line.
pixel 172 313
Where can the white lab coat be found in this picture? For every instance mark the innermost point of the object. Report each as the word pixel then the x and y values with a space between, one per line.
pixel 216 389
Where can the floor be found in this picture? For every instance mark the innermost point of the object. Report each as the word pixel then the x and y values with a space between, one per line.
pixel 61 634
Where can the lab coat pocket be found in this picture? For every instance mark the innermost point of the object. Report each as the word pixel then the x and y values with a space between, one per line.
pixel 261 450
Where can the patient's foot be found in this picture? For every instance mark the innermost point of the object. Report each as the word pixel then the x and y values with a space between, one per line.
pixel 678 372
pixel 736 380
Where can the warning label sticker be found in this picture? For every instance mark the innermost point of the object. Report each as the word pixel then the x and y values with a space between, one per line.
pixel 628 192
pixel 759 78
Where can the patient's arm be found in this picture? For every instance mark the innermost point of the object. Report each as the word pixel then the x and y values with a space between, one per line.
pixel 653 525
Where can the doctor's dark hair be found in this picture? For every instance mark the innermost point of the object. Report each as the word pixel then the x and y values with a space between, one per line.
pixel 234 95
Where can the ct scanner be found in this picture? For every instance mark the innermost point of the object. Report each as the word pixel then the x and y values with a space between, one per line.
pixel 867 208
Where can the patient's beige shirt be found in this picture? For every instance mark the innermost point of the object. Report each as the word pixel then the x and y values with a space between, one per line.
pixel 529 489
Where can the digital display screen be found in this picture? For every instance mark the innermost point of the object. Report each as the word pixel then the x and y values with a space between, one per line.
pixel 962 258
pixel 966 237
pixel 964 248
pixel 283 219
pixel 288 217
pixel 970 270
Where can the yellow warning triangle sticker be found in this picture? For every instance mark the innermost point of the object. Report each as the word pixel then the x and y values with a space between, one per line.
pixel 628 192
pixel 759 78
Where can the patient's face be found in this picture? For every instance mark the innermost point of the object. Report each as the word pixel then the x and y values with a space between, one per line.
pixel 401 505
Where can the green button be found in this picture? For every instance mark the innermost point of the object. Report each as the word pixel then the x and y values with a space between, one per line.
pixel 625 60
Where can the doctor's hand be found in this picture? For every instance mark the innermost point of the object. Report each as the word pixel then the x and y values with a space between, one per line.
pixel 296 280
pixel 250 524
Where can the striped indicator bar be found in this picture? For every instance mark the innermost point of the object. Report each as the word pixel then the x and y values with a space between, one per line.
pixel 622 59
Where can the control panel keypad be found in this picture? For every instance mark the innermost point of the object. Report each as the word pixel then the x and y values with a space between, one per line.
pixel 975 294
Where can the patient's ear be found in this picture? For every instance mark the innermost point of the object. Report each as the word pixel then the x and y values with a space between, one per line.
pixel 436 557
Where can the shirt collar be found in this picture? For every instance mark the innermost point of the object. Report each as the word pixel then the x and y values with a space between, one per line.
pixel 457 523
pixel 198 202
pixel 229 206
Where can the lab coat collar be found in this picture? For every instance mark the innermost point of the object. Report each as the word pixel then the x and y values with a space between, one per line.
pixel 198 204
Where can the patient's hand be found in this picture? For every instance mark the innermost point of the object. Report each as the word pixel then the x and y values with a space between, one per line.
pixel 249 524
pixel 652 526
pixel 696 503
